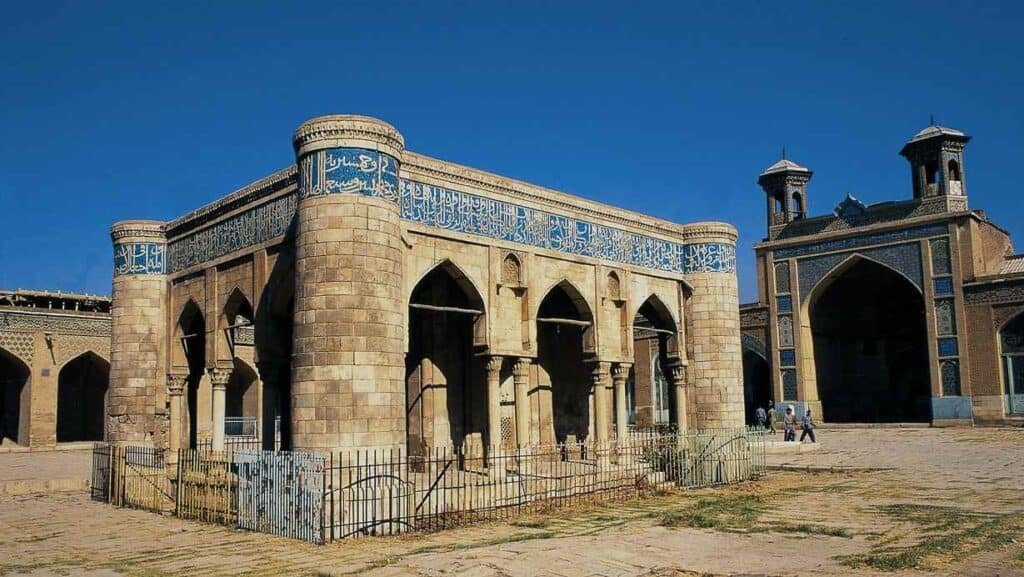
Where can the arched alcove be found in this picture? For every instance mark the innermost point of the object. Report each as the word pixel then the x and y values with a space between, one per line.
pixel 191 336
pixel 870 345
pixel 564 325
pixel 82 398
pixel 655 349
pixel 14 398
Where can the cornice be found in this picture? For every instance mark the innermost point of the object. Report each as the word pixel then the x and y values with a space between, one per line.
pixel 249 193
pixel 346 126
pixel 139 229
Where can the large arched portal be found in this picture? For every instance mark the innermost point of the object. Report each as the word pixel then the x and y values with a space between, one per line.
pixel 870 346
pixel 14 395
pixel 757 384
pixel 564 329
pixel 1011 347
pixel 81 398
pixel 446 398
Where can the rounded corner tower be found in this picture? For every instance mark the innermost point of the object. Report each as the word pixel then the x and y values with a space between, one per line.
pixel 715 369
pixel 138 311
pixel 348 366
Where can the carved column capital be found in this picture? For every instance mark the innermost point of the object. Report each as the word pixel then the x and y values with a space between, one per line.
pixel 219 377
pixel 176 383
pixel 521 369
pixel 601 373
pixel 494 364
pixel 621 371
pixel 678 375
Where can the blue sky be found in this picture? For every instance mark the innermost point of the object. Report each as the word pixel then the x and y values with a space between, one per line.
pixel 148 110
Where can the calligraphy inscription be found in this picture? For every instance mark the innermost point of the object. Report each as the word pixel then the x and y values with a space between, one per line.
pixel 139 258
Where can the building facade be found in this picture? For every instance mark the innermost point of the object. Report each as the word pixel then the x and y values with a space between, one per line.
pixel 54 366
pixel 895 312
pixel 368 297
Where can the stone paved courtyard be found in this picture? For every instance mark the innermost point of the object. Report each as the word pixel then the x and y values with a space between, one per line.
pixel 901 502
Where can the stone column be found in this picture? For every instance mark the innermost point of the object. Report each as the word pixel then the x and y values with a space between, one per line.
pixel 619 377
pixel 494 403
pixel 602 414
pixel 176 383
pixel 678 375
pixel 348 367
pixel 715 369
pixel 138 342
pixel 219 380
pixel 521 379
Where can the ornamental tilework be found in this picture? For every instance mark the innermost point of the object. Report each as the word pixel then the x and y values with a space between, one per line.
pixel 787 358
pixel 859 241
pixel 348 171
pixel 905 258
pixel 753 345
pixel 785 331
pixel 140 258
pixel 789 384
pixel 950 371
pixel 784 304
pixel 945 319
pixel 252 227
pixel 944 285
pixel 782 277
pixel 940 256
pixel 948 347
pixel 465 213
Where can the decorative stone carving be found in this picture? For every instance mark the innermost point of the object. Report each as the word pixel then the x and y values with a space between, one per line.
pixel 614 288
pixel 1005 292
pixel 219 378
pixel 785 331
pixel 621 371
pixel 176 383
pixel 753 316
pixel 862 241
pixel 511 270
pixel 21 345
pixel 753 345
pixel 55 322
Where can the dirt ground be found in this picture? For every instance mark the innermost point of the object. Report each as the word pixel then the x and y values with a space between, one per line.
pixel 897 502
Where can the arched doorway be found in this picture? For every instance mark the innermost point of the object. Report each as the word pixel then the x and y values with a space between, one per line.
pixel 870 346
pixel 191 333
pixel 1011 348
pixel 82 398
pixel 241 403
pixel 757 384
pixel 446 397
pixel 14 395
pixel 564 337
pixel 655 347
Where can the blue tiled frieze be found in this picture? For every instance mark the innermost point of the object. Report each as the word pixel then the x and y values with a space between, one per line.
pixel 348 171
pixel 140 258
pixel 905 258
pixel 784 304
pixel 943 285
pixel 948 347
pixel 787 358
pixel 859 241
pixel 462 212
pixel 252 227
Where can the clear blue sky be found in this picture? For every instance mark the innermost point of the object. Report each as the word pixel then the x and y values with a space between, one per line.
pixel 148 110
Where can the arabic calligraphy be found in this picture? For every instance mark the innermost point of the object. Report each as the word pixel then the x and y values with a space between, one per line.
pixel 139 258
pixel 348 171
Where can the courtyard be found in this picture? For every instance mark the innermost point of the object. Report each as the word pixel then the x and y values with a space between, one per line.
pixel 914 501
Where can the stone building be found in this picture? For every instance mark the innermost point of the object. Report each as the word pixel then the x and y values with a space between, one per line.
pixel 899 311
pixel 369 297
pixel 54 363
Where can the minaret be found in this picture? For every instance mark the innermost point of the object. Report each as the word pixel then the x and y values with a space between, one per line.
pixel 348 366
pixel 936 156
pixel 785 188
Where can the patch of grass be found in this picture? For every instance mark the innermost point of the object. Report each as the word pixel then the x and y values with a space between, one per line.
pixel 806 529
pixel 723 513
pixel 513 538
pixel 948 534
pixel 538 523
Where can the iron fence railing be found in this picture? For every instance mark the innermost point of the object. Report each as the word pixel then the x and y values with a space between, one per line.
pixel 324 497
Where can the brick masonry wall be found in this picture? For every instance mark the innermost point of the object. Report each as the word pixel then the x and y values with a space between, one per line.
pixel 715 372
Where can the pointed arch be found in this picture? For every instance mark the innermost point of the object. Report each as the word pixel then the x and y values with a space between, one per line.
pixel 237 305
pixel 15 396
pixel 241 407
pixel 614 286
pixel 564 301
pixel 435 289
pixel 656 317
pixel 82 386
pixel 511 270
pixel 837 271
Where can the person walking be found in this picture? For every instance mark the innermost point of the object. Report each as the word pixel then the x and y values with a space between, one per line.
pixel 759 418
pixel 808 425
pixel 772 417
pixel 789 424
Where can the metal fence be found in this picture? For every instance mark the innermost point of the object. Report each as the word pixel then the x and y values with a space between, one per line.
pixel 320 498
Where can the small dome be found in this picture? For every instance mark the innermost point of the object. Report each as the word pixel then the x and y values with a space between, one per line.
pixel 934 130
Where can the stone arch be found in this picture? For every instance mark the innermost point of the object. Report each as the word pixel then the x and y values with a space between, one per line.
pixel 445 392
pixel 757 384
pixel 1011 352
pixel 190 351
pixel 237 321
pixel 241 406
pixel 656 347
pixel 864 325
pixel 82 386
pixel 273 329
pixel 581 307
pixel 15 396
pixel 565 326
pixel 659 316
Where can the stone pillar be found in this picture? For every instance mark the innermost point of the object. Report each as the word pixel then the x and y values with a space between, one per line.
pixel 138 343
pixel 678 375
pixel 602 414
pixel 619 377
pixel 494 403
pixel 348 366
pixel 219 380
pixel 715 369
pixel 521 379
pixel 176 384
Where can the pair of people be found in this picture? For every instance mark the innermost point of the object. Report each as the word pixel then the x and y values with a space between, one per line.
pixel 765 420
pixel 807 424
